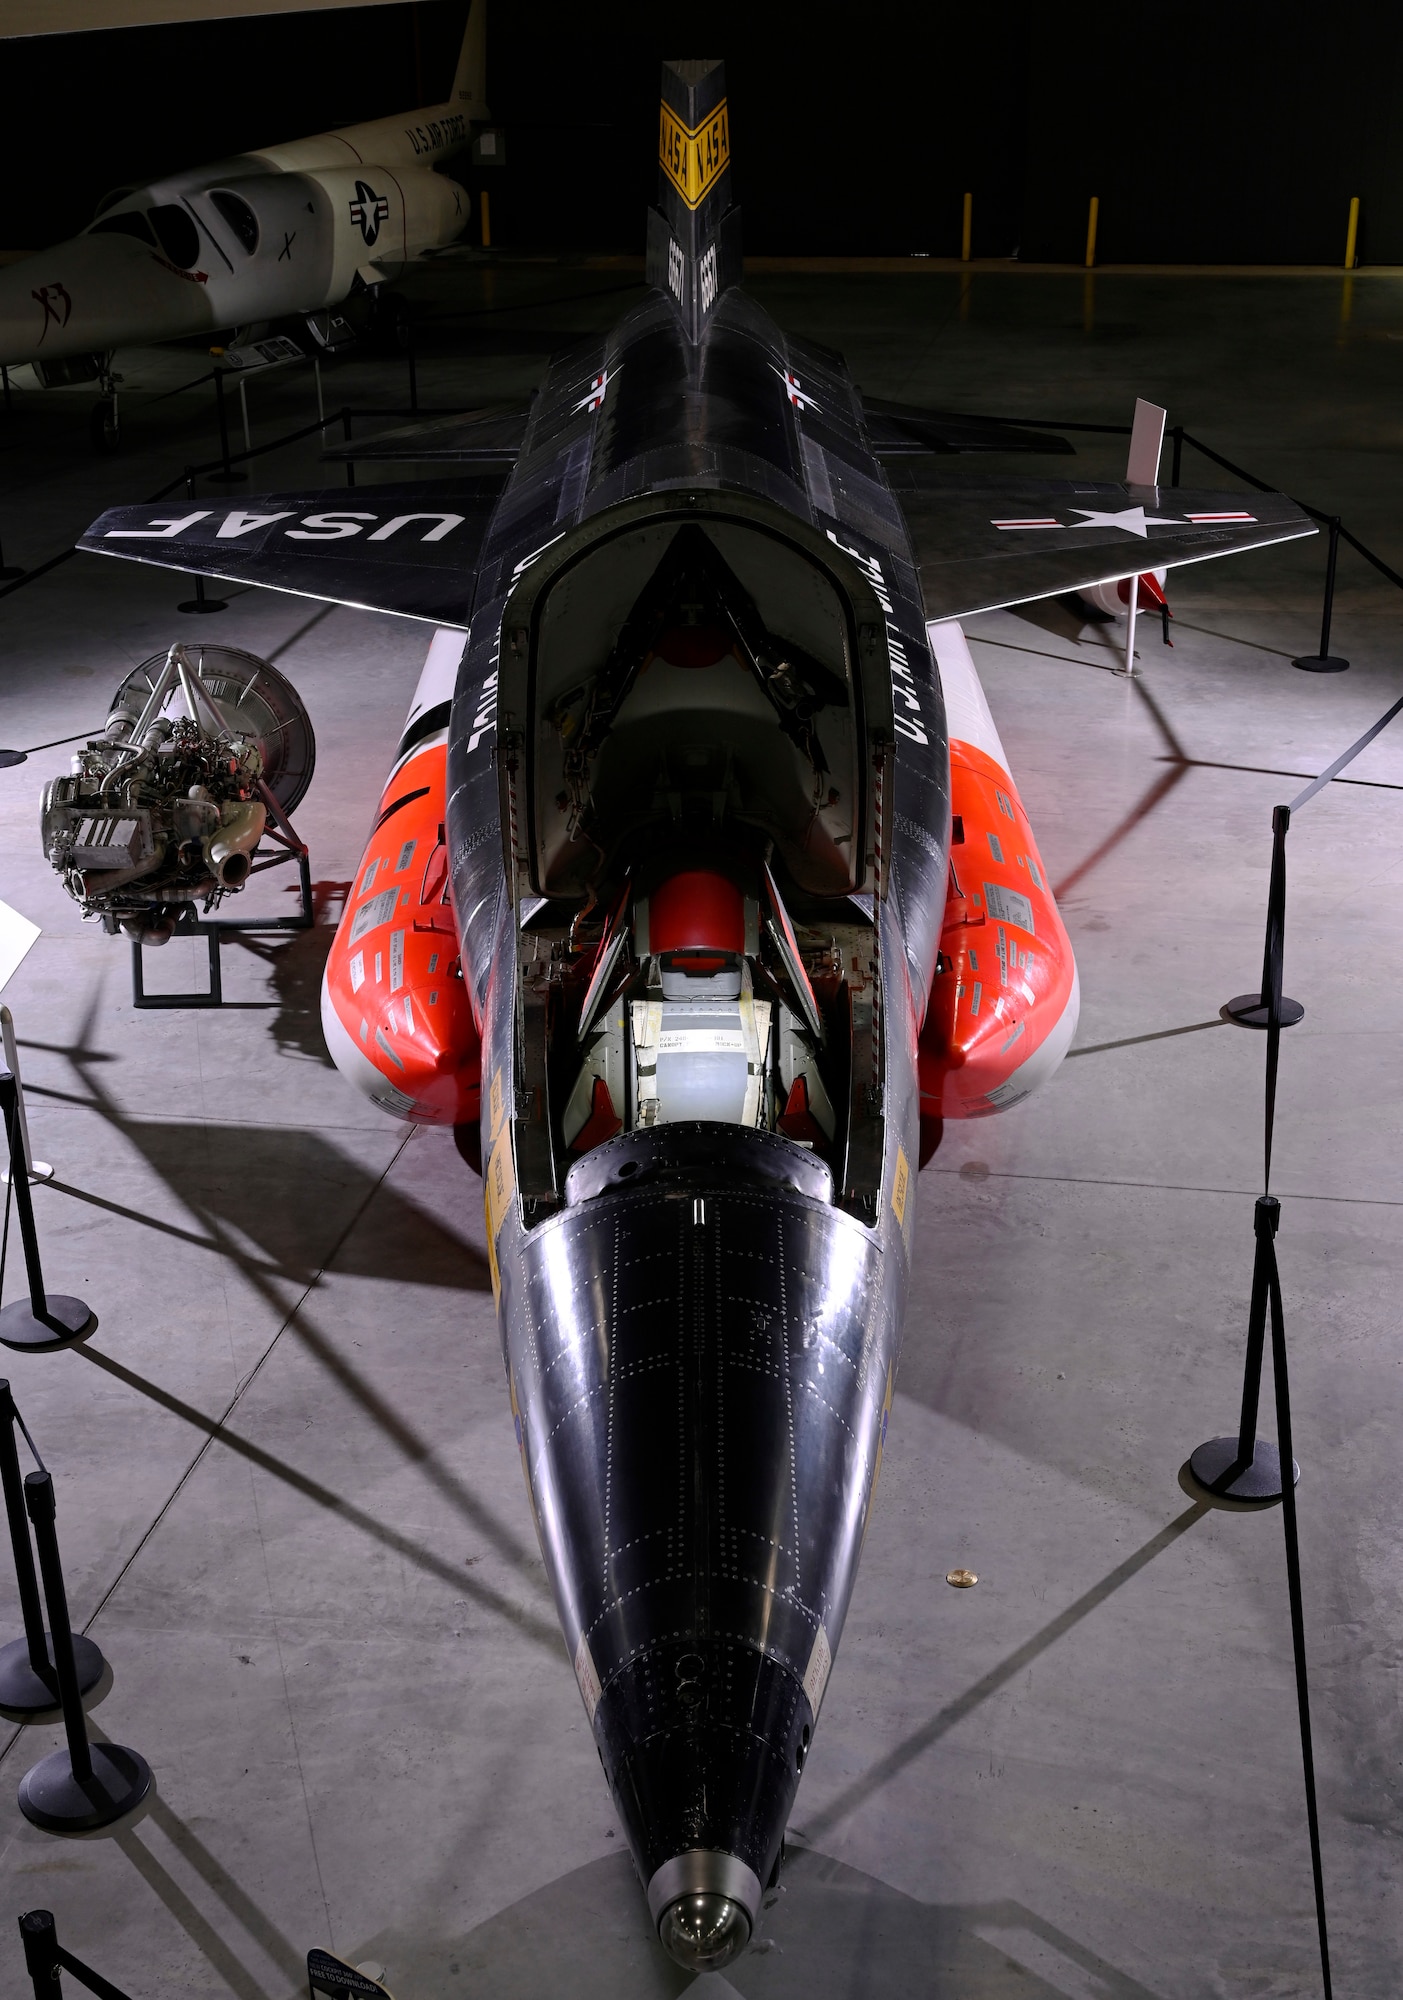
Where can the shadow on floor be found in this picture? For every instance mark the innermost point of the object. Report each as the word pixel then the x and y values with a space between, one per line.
pixel 905 1753
pixel 829 1933
pixel 276 1188
pixel 294 965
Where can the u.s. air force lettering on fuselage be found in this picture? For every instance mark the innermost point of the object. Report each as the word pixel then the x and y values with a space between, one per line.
pixel 318 527
pixel 438 134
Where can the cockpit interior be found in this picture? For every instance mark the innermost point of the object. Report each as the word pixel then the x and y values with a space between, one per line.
pixel 691 796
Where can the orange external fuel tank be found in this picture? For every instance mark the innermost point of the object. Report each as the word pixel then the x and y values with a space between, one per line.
pixel 396 1010
pixel 1004 1000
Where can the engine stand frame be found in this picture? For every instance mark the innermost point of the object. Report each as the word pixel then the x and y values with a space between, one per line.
pixel 279 830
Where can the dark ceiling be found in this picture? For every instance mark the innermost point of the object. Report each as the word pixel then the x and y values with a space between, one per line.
pixel 1210 133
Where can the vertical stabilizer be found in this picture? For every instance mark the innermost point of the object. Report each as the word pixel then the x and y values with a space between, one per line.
pixel 694 232
pixel 469 93
pixel 1146 444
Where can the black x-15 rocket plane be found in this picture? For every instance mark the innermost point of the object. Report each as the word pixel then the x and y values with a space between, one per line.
pixel 678 809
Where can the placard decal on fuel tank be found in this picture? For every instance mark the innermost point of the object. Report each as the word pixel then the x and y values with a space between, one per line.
pixel 586 1675
pixel 378 910
pixel 817 1671
pixel 1009 906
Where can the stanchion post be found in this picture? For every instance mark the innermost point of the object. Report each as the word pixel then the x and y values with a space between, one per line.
pixel 46 1320
pixel 1352 233
pixel 1268 1005
pixel 1178 436
pixel 350 464
pixel 28 1680
pixel 8 572
pixel 412 359
pixel 1298 1617
pixel 1326 662
pixel 967 229
pixel 1092 217
pixel 1247 1467
pixel 199 604
pixel 38 1170
pixel 45 1960
pixel 87 1785
pixel 39 1504
pixel 31 1652
pixel 227 474
pixel 39 1936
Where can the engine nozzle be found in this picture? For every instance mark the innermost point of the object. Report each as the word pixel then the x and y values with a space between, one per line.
pixel 705 1904
pixel 705 1932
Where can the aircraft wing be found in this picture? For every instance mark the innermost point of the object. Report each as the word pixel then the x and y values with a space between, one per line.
pixel 899 430
pixel 412 550
pixel 485 437
pixel 979 547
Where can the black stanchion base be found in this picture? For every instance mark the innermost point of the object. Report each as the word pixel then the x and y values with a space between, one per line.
pixel 1322 663
pixel 1212 1465
pixel 67 1320
pixel 9 574
pixel 52 1798
pixel 9 758
pixel 25 1693
pixel 229 478
pixel 1249 1011
pixel 201 604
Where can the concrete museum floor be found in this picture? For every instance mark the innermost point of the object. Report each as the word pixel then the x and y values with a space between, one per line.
pixel 289 1497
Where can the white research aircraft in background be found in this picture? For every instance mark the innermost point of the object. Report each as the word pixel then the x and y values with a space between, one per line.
pixel 283 232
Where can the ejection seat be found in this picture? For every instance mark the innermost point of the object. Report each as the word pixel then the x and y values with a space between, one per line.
pixel 697 1043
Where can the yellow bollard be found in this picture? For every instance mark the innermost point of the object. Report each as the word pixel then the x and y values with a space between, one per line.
pixel 1352 233
pixel 967 229
pixel 483 205
pixel 1092 214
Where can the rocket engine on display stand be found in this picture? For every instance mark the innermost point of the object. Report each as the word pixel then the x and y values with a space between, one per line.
pixel 206 750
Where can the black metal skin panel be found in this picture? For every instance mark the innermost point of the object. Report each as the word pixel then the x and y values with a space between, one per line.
pixel 701 1367
pixel 701 1361
pixel 750 412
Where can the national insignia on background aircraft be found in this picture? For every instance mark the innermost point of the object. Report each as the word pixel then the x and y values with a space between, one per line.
pixel 281 233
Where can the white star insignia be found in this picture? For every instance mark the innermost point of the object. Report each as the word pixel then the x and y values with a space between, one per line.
pixel 1130 520
pixel 598 390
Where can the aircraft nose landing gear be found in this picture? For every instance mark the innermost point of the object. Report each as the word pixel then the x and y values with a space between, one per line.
pixel 103 426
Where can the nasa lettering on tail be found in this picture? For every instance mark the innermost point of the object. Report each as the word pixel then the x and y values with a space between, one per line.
pixel 694 232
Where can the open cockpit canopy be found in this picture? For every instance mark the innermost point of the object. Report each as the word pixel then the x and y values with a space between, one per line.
pixel 692 682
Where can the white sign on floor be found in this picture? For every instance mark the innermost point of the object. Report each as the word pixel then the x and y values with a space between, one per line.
pixel 17 934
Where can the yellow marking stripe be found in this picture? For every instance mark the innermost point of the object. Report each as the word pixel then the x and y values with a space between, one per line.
pixel 694 160
pixel 500 1182
pixel 901 1184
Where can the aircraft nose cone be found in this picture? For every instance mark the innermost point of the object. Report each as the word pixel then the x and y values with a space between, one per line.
pixel 705 1905
pixel 701 1348
pixel 704 1933
pixel 95 293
